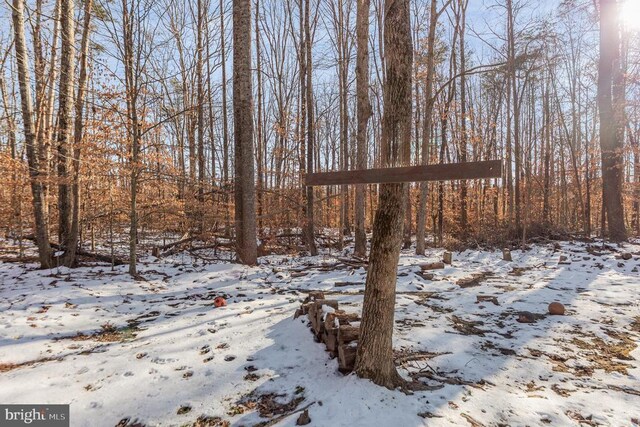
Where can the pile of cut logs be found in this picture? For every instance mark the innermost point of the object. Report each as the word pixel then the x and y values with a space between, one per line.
pixel 338 330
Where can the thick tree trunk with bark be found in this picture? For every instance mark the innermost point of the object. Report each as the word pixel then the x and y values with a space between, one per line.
pixel 611 143
pixel 364 113
pixel 72 241
pixel 546 148
pixel 225 122
pixel 133 126
pixel 375 351
pixel 427 127
pixel 202 15
pixel 309 225
pixel 516 110
pixel 65 109
pixel 33 151
pixel 463 116
pixel 245 216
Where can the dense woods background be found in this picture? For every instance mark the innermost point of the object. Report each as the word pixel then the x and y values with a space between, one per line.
pixel 131 121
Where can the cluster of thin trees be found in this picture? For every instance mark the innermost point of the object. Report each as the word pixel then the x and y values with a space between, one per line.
pixel 117 118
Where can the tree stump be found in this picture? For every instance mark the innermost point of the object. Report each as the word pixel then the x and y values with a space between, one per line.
pixel 447 257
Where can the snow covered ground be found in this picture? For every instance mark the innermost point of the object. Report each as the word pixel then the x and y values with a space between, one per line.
pixel 157 351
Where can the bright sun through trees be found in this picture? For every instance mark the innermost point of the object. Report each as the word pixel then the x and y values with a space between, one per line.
pixel 630 11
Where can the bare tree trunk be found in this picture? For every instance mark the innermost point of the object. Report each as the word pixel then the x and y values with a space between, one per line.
pixel 609 103
pixel 364 113
pixel 41 222
pixel 635 142
pixel 463 118
pixel 65 109
pixel 375 352
pixel 259 121
pixel 212 124
pixel 516 110
pixel 72 243
pixel 427 127
pixel 202 15
pixel 301 125
pixel 46 125
pixel 309 226
pixel 408 223
pixel 547 153
pixel 225 123
pixel 245 216
pixel 133 125
pixel 343 64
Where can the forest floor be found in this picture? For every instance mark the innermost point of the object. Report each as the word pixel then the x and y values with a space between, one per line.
pixel 159 352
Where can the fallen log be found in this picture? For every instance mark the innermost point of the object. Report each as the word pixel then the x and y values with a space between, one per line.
pixel 487 298
pixel 103 258
pixel 432 266
pixel 342 284
pixel 81 252
pixel 474 279
pixel 185 239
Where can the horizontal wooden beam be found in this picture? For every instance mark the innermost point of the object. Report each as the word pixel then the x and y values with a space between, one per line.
pixel 443 172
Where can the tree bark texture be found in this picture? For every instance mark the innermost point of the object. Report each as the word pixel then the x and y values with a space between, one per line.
pixel 375 352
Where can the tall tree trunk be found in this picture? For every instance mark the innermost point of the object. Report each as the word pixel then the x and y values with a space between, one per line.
pixel 37 191
pixel 635 142
pixel 427 127
pixel 245 216
pixel 65 109
pixel 301 125
pixel 133 125
pixel 374 358
pixel 202 15
pixel 364 113
pixel 72 242
pixel 610 104
pixel 516 109
pixel 309 226
pixel 259 121
pixel 225 123
pixel 463 117
pixel 547 154
pixel 46 126
pixel 343 64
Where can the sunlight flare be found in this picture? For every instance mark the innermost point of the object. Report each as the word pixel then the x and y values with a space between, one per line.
pixel 630 14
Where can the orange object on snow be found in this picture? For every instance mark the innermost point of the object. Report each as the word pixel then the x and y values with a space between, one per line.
pixel 219 302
